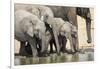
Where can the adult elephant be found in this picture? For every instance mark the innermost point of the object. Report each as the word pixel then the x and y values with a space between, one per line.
pixel 85 13
pixel 27 26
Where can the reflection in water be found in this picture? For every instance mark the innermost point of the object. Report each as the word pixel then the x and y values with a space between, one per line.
pixel 53 58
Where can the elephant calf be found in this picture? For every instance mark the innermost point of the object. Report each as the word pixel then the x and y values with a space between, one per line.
pixel 64 28
pixel 27 26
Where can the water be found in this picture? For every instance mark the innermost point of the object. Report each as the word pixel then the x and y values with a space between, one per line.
pixel 53 58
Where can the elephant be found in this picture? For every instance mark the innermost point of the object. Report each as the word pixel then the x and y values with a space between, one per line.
pixel 66 13
pixel 27 27
pixel 69 14
pixel 65 29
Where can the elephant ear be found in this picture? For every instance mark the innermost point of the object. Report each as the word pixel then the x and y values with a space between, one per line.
pixel 28 26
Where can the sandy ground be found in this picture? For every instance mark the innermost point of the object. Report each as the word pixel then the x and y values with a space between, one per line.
pixel 81 33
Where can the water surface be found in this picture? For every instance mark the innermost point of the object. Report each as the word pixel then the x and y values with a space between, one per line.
pixel 53 58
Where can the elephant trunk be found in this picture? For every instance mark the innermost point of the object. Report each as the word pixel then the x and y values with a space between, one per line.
pixel 43 43
pixel 88 29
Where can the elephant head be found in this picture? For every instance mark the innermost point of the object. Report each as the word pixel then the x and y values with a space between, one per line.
pixel 45 13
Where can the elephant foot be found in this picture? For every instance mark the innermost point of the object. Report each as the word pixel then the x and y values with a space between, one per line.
pixel 88 41
pixel 59 54
pixel 51 52
pixel 43 54
pixel 76 50
pixel 64 51
pixel 71 52
pixel 23 53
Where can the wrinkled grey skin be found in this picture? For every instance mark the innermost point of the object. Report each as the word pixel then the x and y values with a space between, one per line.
pixel 43 14
pixel 64 28
pixel 27 26
pixel 66 13
pixel 69 14
pixel 28 50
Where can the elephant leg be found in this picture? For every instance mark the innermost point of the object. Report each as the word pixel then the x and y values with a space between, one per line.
pixel 64 41
pixel 39 48
pixel 38 45
pixel 22 50
pixel 55 45
pixel 60 39
pixel 74 44
pixel 43 50
pixel 56 41
pixel 43 46
pixel 28 49
pixel 51 46
pixel 71 44
pixel 88 29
